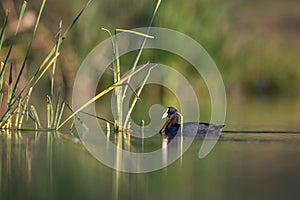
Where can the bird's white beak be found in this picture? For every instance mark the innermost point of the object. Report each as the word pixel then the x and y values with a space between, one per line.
pixel 165 114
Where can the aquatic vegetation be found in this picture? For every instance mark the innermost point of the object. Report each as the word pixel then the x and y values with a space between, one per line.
pixel 15 97
pixel 120 85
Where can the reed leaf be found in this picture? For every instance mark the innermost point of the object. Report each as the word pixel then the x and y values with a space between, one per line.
pixel 117 69
pixel 14 37
pixel 28 50
pixel 3 30
pixel 131 88
pixel 135 32
pixel 36 118
pixel 113 43
pixel 1 83
pixel 38 76
pixel 8 112
pixel 65 34
pixel 101 118
pixel 76 117
pixel 54 63
pixel 45 69
pixel 9 89
pixel 53 50
pixel 143 43
pixel 75 20
pixel 138 94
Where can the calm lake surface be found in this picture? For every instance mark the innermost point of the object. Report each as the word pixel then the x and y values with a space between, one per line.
pixel 241 166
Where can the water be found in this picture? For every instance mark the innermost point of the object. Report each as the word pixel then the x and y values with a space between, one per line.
pixel 241 166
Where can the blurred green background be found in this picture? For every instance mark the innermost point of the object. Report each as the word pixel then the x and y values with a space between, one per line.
pixel 255 45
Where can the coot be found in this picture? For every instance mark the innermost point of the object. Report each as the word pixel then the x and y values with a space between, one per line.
pixel 171 128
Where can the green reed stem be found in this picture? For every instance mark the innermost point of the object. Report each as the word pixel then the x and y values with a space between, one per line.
pixel 61 110
pixel 117 77
pixel 58 42
pixel 24 108
pixel 49 112
pixel 118 90
pixel 18 113
pixel 56 111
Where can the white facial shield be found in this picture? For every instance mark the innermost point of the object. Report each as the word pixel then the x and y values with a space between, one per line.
pixel 165 114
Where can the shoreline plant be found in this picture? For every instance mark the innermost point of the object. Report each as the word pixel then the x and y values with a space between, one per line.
pixel 17 109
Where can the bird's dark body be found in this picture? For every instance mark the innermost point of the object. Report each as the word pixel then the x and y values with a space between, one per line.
pixel 192 129
pixel 189 129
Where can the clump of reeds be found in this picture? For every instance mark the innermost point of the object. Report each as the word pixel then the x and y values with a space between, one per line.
pixel 121 85
pixel 17 107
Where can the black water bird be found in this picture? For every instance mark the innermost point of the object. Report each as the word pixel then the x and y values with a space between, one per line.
pixel 198 129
